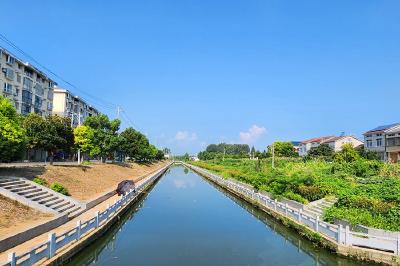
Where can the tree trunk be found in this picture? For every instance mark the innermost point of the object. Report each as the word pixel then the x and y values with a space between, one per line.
pixel 51 157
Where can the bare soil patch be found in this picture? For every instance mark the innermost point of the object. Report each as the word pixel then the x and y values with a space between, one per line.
pixel 87 182
pixel 15 216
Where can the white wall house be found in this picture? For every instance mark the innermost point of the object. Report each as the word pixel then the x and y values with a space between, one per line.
pixel 376 140
pixel 336 143
pixel 306 145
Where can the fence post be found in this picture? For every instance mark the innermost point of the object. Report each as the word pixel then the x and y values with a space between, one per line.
pixel 97 219
pixel 11 259
pixel 286 209
pixel 340 229
pixel 317 223
pixel 275 203
pixel 32 257
pixel 300 212
pixel 78 229
pixel 52 244
pixel 347 236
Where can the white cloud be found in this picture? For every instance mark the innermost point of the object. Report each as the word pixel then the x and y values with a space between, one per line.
pixel 251 135
pixel 185 136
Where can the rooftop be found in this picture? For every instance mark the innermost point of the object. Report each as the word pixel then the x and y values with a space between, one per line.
pixel 319 139
pixel 381 128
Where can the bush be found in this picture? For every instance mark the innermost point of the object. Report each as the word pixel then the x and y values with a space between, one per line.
pixel 40 181
pixel 86 163
pixel 59 188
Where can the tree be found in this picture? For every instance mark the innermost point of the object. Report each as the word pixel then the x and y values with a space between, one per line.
pixel 253 152
pixel 367 154
pixel 283 149
pixel 84 138
pixel 12 133
pixel 106 140
pixel 323 150
pixel 51 134
pixel 135 144
pixel 347 154
pixel 160 155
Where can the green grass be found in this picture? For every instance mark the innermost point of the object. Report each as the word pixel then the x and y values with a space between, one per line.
pixel 368 191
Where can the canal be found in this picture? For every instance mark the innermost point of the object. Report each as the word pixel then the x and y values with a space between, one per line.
pixel 186 220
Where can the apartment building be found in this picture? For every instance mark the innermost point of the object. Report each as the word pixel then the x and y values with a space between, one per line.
pixel 68 105
pixel 26 86
pixel 385 141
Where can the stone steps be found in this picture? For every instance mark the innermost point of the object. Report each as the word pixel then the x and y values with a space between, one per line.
pixel 318 207
pixel 39 197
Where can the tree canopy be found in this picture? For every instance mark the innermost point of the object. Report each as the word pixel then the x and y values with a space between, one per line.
pixel 12 133
pixel 51 134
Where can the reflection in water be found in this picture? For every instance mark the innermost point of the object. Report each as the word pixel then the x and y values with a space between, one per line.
pixel 186 221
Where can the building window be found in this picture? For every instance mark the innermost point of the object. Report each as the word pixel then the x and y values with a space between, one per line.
pixel 369 143
pixel 27 97
pixel 39 89
pixel 28 83
pixel 7 88
pixel 25 109
pixel 379 142
pixel 10 60
pixel 18 78
pixel 8 73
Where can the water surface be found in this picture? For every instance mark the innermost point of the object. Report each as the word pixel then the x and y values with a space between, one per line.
pixel 185 220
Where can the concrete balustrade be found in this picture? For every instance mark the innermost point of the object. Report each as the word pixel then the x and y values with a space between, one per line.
pixel 336 233
pixel 56 242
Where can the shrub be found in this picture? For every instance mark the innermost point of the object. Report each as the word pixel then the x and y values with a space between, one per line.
pixel 59 188
pixel 40 181
pixel 86 163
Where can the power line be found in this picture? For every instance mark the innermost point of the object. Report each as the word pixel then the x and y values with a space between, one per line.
pixel 96 100
pixel 106 104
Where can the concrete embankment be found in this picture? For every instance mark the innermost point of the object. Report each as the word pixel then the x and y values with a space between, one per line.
pixel 313 229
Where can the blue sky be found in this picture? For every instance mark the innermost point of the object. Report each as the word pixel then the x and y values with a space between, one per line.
pixel 190 73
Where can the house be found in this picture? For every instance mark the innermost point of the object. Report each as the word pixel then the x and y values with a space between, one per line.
pixel 393 144
pixel 336 143
pixel 306 145
pixel 296 146
pixel 384 141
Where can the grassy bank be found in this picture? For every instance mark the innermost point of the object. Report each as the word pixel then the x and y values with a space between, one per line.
pixel 368 191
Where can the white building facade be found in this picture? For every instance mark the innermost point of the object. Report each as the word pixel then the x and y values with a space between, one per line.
pixel 27 87
pixel 68 105
pixel 384 140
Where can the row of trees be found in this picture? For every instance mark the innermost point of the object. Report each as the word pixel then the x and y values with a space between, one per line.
pixel 98 137
pixel 216 151
pixel 284 149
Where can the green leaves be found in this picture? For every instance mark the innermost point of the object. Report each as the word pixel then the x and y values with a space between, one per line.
pixel 12 133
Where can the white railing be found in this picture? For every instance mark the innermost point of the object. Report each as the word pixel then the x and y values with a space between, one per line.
pixel 337 233
pixel 56 242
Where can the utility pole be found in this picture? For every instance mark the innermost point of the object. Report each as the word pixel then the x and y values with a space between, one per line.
pixel 273 155
pixel 118 111
pixel 79 150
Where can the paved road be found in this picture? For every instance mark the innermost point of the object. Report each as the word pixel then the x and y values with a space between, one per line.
pixel 33 164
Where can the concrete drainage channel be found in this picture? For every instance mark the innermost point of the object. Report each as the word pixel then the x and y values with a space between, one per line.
pixel 39 197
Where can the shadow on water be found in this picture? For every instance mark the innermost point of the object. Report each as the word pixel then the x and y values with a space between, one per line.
pixel 108 242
